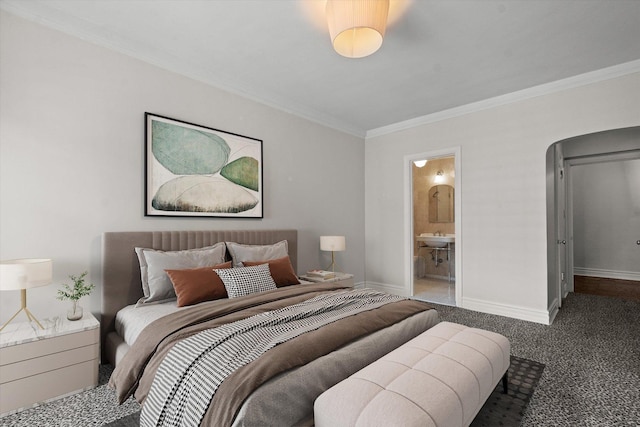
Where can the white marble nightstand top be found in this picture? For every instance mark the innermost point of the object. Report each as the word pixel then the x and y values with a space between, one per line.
pixel 23 332
pixel 337 278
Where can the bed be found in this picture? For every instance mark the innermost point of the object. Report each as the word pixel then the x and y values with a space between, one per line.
pixel 280 386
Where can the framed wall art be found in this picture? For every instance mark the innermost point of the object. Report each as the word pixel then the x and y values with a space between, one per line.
pixel 194 170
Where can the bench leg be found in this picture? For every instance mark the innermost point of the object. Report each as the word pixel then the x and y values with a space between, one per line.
pixel 505 382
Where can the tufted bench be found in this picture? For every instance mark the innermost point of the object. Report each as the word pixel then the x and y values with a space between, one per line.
pixel 440 378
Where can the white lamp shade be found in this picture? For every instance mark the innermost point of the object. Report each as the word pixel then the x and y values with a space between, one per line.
pixel 332 243
pixel 19 274
pixel 357 27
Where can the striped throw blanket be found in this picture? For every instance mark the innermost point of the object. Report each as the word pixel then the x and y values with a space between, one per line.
pixel 195 367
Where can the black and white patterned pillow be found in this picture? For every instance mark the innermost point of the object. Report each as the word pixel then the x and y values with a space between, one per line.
pixel 246 280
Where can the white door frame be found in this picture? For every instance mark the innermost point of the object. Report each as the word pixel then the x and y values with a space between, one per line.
pixel 568 192
pixel 562 230
pixel 408 216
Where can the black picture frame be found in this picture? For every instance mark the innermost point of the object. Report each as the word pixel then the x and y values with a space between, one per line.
pixel 197 171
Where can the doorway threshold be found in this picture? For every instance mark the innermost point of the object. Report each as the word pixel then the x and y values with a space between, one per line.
pixel 435 291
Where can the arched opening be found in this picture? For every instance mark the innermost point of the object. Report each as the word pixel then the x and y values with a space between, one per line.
pixel 616 145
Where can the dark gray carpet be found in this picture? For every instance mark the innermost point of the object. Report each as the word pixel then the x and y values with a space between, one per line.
pixel 94 407
pixel 508 409
pixel 591 375
pixel 591 354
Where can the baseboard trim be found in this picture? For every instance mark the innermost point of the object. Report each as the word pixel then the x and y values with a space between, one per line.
pixel 513 311
pixel 436 276
pixel 553 310
pixel 384 287
pixel 607 274
pixel 360 285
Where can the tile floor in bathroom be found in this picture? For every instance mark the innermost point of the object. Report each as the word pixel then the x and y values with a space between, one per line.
pixel 435 290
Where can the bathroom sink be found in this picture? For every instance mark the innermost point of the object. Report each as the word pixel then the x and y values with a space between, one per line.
pixel 434 241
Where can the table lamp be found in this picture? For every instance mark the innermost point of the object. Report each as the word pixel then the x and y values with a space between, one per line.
pixel 22 274
pixel 333 244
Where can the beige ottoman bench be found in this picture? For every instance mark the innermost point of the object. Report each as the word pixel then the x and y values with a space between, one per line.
pixel 440 378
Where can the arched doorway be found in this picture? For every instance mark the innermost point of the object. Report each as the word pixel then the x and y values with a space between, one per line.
pixel 607 146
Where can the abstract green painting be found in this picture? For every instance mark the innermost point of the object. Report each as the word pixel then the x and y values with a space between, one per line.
pixel 193 170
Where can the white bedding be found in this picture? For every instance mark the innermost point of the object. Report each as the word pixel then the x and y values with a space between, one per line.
pixel 131 320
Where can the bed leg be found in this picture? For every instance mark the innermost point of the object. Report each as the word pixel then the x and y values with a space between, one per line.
pixel 505 382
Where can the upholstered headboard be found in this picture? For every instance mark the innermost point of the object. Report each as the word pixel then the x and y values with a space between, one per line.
pixel 121 285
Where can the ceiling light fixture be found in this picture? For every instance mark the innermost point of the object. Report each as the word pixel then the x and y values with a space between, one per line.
pixel 420 163
pixel 357 26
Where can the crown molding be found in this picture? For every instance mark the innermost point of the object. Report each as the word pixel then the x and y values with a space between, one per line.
pixel 21 9
pixel 521 95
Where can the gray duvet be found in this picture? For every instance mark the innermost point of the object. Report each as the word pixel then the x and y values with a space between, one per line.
pixel 278 388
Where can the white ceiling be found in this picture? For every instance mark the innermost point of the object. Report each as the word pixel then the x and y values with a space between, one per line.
pixel 437 54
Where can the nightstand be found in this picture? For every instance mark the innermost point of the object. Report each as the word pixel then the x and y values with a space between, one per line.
pixel 344 278
pixel 38 365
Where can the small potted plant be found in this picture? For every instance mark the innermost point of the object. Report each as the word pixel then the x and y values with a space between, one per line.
pixel 74 293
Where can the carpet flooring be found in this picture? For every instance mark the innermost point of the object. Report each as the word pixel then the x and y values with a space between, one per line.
pixel 591 354
pixel 591 375
pixel 92 408
pixel 499 410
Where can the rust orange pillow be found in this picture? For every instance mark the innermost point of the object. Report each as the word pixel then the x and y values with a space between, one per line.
pixel 281 271
pixel 196 285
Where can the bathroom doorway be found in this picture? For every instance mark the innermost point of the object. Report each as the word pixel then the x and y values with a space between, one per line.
pixel 434 228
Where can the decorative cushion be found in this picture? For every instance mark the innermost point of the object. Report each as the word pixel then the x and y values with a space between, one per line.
pixel 241 253
pixel 156 285
pixel 246 280
pixel 196 285
pixel 442 377
pixel 281 271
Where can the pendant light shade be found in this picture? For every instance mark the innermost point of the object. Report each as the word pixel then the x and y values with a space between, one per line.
pixel 357 26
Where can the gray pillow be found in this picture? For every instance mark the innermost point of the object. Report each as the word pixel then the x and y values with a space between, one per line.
pixel 240 252
pixel 156 284
pixel 246 280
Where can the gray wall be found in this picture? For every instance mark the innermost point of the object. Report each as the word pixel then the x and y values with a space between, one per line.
pixel 72 164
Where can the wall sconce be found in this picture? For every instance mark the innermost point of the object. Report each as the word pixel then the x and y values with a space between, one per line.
pixel 333 244
pixel 357 27
pixel 439 178
pixel 420 163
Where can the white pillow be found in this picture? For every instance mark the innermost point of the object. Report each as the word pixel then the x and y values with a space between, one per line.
pixel 156 284
pixel 240 252
pixel 246 280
